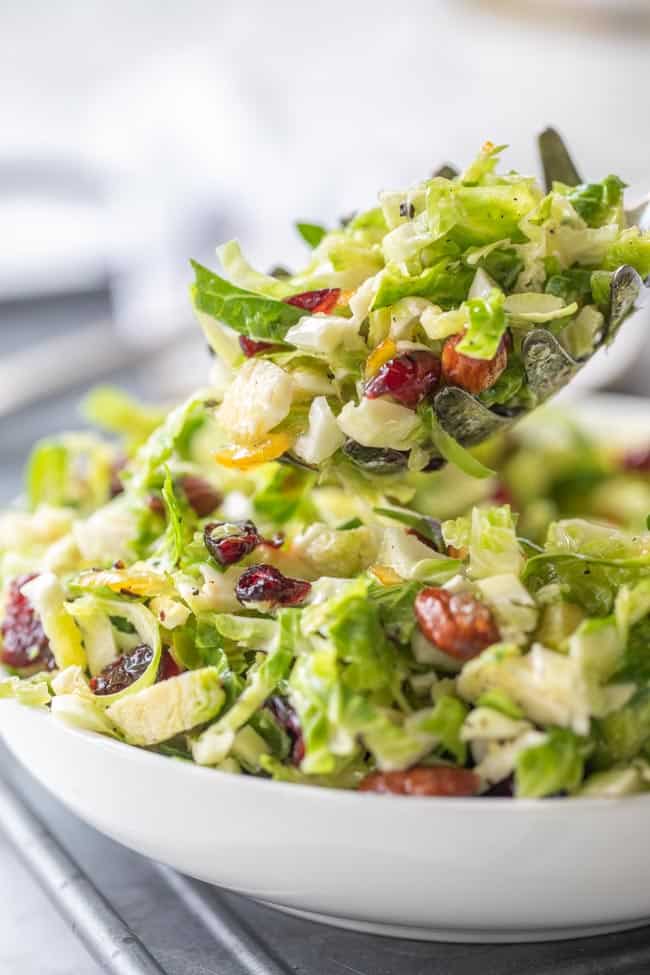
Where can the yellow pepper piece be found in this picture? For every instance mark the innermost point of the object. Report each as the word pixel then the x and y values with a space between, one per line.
pixel 243 458
pixel 385 575
pixel 384 351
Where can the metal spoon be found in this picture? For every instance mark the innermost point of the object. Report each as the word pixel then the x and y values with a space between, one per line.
pixel 559 167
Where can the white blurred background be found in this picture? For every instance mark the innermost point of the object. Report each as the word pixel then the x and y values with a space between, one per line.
pixel 187 117
pixel 135 135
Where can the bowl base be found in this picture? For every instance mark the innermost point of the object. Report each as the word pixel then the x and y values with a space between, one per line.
pixel 461 935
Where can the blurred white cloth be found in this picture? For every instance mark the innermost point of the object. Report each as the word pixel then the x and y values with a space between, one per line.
pixel 206 119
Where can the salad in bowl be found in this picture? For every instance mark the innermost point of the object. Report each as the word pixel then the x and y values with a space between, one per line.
pixel 269 623
pixel 278 579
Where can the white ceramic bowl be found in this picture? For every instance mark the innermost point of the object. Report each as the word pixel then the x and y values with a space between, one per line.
pixel 446 869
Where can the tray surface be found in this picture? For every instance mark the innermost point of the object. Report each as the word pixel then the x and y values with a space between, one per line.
pixel 182 927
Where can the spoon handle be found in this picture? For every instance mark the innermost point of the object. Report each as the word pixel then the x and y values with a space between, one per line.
pixel 556 161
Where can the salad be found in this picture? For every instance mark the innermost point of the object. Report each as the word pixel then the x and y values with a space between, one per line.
pixel 420 327
pixel 268 622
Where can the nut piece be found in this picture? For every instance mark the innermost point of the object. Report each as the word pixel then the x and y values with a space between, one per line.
pixel 323 301
pixel 201 496
pixel 455 623
pixel 436 780
pixel 474 375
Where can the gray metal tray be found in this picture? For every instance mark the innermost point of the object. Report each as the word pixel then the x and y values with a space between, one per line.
pixel 136 917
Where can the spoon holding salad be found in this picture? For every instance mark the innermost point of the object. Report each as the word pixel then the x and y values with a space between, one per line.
pixel 425 325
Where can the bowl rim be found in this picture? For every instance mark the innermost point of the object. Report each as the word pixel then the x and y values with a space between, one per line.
pixel 315 792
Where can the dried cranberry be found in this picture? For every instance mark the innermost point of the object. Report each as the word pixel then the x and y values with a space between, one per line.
pixel 201 496
pixel 168 667
pixel 435 780
pixel 316 301
pixel 229 543
pixel 637 460
pixel 288 719
pixel 24 644
pixel 408 378
pixel 266 584
pixel 471 374
pixel 251 347
pixel 123 672
pixel 456 623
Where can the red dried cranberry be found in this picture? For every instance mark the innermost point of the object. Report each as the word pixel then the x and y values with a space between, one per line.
pixel 251 347
pixel 316 301
pixel 288 719
pixel 408 378
pixel 201 496
pixel 637 460
pixel 122 672
pixel 469 373
pixel 168 667
pixel 456 623
pixel 229 543
pixel 434 780
pixel 24 644
pixel 266 584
